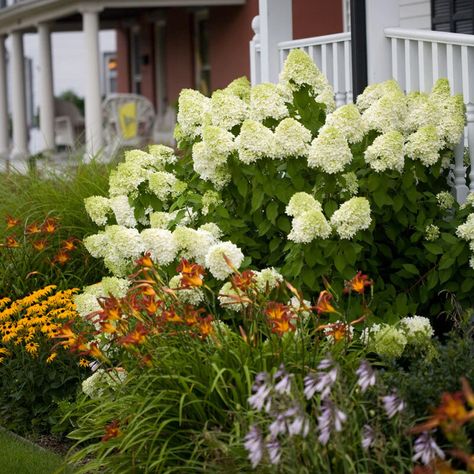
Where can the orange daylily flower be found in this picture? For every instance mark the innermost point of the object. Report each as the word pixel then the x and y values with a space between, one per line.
pixel 69 244
pixel 191 315
pixel 339 331
pixel 323 305
pixel 112 430
pixel 50 225
pixel 112 310
pixel 11 221
pixel 358 284
pixel 33 228
pixel 282 325
pixel 205 326
pixel 136 337
pixel 276 310
pixel 191 274
pixel 40 244
pixel 170 316
pixel 280 317
pixel 62 257
pixel 244 280
pixel 11 243
pixel 145 261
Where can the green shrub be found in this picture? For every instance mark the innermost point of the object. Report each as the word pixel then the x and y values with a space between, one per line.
pixel 298 186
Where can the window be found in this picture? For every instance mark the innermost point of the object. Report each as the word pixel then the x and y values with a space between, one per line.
pixel 202 67
pixel 456 16
pixel 110 73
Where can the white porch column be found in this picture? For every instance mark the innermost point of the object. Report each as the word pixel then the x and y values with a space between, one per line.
pixel 4 126
pixel 380 15
pixel 276 25
pixel 20 132
pixel 94 138
pixel 46 96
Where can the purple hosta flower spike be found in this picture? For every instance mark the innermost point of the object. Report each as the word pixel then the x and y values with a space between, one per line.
pixel 393 405
pixel 299 426
pixel 261 391
pixel 274 452
pixel 331 418
pixel 282 380
pixel 426 449
pixel 278 426
pixel 368 437
pixel 321 382
pixel 366 376
pixel 254 445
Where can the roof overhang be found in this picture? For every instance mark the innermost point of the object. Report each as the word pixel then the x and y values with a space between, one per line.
pixel 27 14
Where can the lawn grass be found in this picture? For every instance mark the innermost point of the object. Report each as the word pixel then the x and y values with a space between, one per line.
pixel 20 457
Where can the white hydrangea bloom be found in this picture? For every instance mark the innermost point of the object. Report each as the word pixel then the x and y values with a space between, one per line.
pixel 326 97
pixel 209 199
pixel 417 329
pixel 329 151
pixel 386 114
pixel 227 110
pixel 351 217
pixel 239 87
pixel 348 121
pixel 194 244
pixel 254 142
pixel 374 92
pixel 389 341
pixel 421 111
pixel 308 226
pixel 192 296
pixel 86 303
pixel 451 117
pixel 445 200
pixel 466 231
pixel 161 220
pixel 126 179
pixel 267 101
pixel 96 243
pixel 210 167
pixel 386 152
pixel 164 155
pixel 267 279
pixel 165 185
pixel 300 203
pixel 213 229
pixel 216 263
pixel 302 308
pixel 291 139
pixel 218 140
pixel 226 300
pixel 95 385
pixel 161 245
pixel 300 69
pixel 192 106
pixel 114 286
pixel 424 145
pixel 124 212
pixel 123 246
pixel 432 233
pixel 351 185
pixel 98 207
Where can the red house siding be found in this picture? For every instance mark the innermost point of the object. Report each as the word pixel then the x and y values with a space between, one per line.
pixel 229 34
pixel 179 52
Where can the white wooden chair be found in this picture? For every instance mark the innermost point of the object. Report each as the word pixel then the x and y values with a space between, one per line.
pixel 68 124
pixel 127 121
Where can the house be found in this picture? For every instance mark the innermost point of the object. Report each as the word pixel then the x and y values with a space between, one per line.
pixel 166 45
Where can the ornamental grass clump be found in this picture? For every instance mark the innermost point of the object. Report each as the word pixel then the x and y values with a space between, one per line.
pixel 375 172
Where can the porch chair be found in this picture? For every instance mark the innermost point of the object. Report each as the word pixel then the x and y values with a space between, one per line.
pixel 68 124
pixel 127 122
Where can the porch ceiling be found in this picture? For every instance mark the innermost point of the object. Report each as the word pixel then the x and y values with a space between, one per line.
pixel 65 15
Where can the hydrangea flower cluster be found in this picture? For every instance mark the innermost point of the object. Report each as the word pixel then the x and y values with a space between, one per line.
pixel 309 222
pixel 466 232
pixel 95 385
pixel 390 341
pixel 351 217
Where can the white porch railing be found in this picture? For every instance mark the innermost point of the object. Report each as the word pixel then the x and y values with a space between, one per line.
pixel 332 55
pixel 418 59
